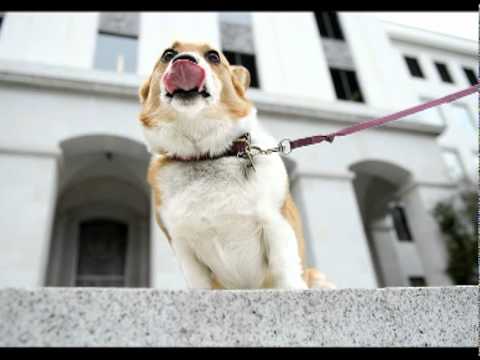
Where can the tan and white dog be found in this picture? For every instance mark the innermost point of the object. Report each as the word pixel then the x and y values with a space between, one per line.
pixel 227 230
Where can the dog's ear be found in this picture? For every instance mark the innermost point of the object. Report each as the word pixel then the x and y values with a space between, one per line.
pixel 242 74
pixel 144 90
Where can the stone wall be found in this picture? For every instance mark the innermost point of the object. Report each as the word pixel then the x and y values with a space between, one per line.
pixel 400 317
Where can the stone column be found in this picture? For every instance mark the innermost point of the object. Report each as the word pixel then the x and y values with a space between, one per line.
pixel 334 233
pixel 419 200
pixel 27 205
pixel 384 239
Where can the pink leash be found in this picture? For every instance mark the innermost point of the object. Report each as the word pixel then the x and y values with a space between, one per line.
pixel 287 145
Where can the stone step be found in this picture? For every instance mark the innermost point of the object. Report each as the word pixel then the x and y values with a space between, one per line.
pixel 91 317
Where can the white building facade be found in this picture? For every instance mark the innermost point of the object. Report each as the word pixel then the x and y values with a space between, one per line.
pixel 75 207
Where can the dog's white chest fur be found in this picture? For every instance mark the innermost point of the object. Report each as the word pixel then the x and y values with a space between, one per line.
pixel 211 208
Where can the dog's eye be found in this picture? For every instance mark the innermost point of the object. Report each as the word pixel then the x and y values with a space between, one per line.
pixel 213 57
pixel 168 55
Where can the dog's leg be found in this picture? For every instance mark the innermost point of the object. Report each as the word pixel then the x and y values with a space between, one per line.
pixel 197 274
pixel 282 253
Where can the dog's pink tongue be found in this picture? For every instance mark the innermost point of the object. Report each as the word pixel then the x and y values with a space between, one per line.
pixel 184 75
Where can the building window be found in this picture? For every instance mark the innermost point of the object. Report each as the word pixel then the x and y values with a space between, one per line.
pixel 455 169
pixel 417 281
pixel 117 42
pixel 329 25
pixel 238 42
pixel 1 19
pixel 102 253
pixel 471 76
pixel 247 60
pixel 414 67
pixel 463 118
pixel 346 85
pixel 400 223
pixel 444 73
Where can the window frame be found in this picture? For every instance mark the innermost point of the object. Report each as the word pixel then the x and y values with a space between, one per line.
pixel 234 53
pixel 445 75
pixel 105 19
pixel 115 69
pixel 345 85
pixel 254 76
pixel 329 25
pixel 85 215
pixel 227 16
pixel 466 71
pixel 106 31
pixel 63 255
pixel 96 277
pixel 413 63
pixel 404 223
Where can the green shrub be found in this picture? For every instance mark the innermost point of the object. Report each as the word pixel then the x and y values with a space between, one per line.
pixel 458 220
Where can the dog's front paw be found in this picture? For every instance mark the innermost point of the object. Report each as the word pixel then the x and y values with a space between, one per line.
pixel 317 280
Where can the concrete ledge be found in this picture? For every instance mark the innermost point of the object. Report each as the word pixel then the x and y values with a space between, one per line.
pixel 414 317
pixel 99 82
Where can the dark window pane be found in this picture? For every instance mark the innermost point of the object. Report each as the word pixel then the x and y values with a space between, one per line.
pixel 102 253
pixel 400 223
pixel 329 25
pixel 444 73
pixel 1 21
pixel 355 93
pixel 336 28
pixel 116 53
pixel 338 84
pixel 247 60
pixel 321 24
pixel 417 281
pixel 346 85
pixel 470 74
pixel 414 67
pixel 230 55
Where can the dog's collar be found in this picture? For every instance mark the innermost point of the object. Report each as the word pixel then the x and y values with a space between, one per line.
pixel 237 148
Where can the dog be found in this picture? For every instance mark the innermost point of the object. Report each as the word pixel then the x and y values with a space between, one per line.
pixel 231 224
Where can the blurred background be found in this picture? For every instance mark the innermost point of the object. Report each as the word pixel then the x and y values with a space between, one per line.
pixel 393 206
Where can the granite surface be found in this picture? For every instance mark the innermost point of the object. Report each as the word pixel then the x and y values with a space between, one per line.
pixel 413 317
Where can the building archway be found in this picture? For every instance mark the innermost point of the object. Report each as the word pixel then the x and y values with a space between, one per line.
pixel 378 186
pixel 101 233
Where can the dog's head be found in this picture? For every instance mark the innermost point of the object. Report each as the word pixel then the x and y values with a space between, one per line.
pixel 195 81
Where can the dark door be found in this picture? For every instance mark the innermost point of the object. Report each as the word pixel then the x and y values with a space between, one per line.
pixel 102 253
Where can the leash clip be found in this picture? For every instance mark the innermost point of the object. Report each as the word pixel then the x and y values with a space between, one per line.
pixel 251 151
pixel 285 146
pixel 247 154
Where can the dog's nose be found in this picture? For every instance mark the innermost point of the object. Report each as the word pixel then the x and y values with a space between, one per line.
pixel 185 57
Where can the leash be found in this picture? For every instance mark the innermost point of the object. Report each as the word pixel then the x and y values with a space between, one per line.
pixel 286 146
